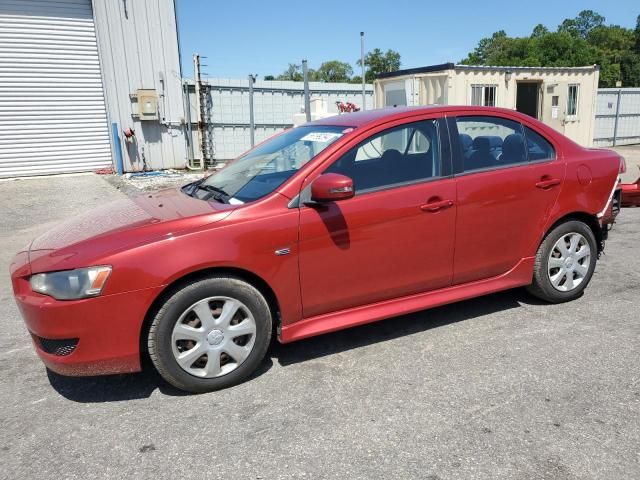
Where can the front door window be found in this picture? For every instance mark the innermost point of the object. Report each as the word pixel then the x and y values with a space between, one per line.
pixel 397 156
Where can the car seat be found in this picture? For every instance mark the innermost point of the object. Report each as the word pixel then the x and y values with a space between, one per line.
pixel 392 166
pixel 466 142
pixel 513 149
pixel 481 157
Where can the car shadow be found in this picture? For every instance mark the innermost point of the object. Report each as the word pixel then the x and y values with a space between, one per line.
pixel 111 388
pixel 340 341
pixel 117 388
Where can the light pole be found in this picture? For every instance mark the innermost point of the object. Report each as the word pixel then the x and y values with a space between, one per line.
pixel 364 100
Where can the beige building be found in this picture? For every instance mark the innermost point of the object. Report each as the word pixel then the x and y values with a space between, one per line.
pixel 562 97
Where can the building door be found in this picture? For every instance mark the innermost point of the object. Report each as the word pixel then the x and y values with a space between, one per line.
pixel 527 100
pixel 52 111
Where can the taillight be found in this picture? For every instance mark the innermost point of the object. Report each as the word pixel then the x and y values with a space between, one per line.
pixel 623 165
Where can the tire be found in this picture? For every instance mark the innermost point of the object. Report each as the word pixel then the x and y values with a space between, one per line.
pixel 226 345
pixel 552 262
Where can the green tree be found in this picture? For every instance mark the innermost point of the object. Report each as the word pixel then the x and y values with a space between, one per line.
pixel 487 49
pixel 334 71
pixel 581 25
pixel 612 38
pixel 613 44
pixel 293 73
pixel 636 33
pixel 539 30
pixel 583 40
pixel 630 61
pixel 561 49
pixel 377 62
pixel 630 70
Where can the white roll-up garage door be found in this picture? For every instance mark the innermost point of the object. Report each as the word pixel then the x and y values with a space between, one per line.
pixel 52 112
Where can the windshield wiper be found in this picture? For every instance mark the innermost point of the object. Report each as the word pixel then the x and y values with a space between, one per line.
pixel 214 192
pixel 190 188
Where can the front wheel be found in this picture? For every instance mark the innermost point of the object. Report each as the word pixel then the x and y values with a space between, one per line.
pixel 210 334
pixel 564 263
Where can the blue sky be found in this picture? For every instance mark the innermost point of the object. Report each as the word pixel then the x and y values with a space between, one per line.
pixel 249 36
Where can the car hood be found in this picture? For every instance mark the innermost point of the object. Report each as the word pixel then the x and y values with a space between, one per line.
pixel 122 224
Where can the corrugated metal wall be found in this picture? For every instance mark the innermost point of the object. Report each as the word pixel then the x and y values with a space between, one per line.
pixel 275 103
pixel 139 49
pixel 52 111
pixel 628 131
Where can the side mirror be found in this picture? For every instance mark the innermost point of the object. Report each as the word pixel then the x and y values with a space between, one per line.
pixel 331 187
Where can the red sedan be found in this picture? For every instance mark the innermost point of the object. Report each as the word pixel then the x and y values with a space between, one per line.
pixel 336 223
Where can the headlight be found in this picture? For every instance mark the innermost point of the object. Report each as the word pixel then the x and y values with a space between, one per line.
pixel 71 284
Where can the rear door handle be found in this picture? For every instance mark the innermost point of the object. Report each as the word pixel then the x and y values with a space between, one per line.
pixel 436 206
pixel 548 183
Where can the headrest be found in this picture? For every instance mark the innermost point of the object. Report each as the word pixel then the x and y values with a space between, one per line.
pixel 466 141
pixel 513 147
pixel 495 141
pixel 391 155
pixel 481 143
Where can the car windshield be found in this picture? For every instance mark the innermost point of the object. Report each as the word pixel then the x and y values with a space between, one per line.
pixel 263 169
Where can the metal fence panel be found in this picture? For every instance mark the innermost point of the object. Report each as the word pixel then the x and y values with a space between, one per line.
pixel 275 104
pixel 617 117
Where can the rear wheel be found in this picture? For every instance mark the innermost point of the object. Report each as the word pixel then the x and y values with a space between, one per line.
pixel 564 263
pixel 210 334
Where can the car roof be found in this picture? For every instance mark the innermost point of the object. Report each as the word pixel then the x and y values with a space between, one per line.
pixel 382 115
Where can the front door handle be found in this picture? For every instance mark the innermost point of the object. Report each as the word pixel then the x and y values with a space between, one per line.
pixel 436 205
pixel 546 183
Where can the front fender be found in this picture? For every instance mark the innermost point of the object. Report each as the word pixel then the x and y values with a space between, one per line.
pixel 240 242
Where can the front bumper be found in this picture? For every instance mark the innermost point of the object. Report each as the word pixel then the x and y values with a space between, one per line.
pixel 93 336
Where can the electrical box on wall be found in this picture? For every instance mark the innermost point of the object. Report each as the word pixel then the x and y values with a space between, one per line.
pixel 147 104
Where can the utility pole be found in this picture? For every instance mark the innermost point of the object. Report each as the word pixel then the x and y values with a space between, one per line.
pixel 252 125
pixel 307 99
pixel 364 98
pixel 203 107
pixel 199 116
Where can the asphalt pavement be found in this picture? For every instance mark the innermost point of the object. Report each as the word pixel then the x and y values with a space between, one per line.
pixel 501 386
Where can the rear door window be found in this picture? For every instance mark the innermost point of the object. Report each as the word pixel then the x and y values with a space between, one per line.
pixel 538 147
pixel 490 142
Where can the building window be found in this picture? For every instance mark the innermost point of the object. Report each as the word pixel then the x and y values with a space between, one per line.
pixel 483 95
pixel 395 93
pixel 572 100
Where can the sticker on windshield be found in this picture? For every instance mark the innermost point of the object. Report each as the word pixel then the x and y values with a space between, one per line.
pixel 322 137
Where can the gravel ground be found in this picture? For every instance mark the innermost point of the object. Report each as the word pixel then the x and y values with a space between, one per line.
pixel 496 387
pixel 133 184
